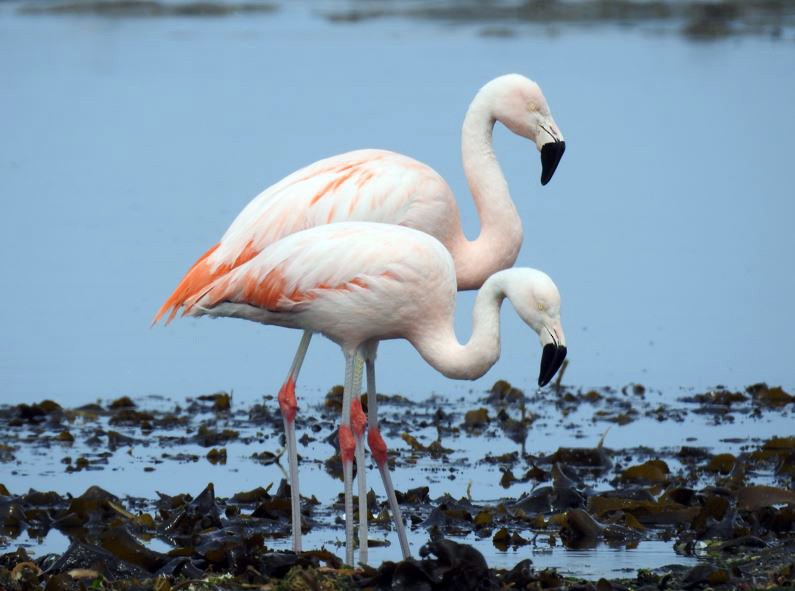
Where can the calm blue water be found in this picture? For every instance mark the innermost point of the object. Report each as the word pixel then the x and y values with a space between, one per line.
pixel 128 145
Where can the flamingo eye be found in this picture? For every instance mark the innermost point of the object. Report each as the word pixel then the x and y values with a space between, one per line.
pixel 541 306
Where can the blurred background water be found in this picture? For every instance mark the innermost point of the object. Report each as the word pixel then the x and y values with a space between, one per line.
pixel 127 146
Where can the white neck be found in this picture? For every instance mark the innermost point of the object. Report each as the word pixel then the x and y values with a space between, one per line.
pixel 439 346
pixel 501 229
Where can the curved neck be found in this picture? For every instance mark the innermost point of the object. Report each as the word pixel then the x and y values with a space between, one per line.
pixel 439 346
pixel 500 227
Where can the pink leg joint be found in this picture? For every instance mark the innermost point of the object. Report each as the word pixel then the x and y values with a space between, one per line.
pixel 347 443
pixel 377 446
pixel 287 402
pixel 358 418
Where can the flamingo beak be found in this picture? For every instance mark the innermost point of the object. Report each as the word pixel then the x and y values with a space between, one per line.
pixel 551 153
pixel 551 360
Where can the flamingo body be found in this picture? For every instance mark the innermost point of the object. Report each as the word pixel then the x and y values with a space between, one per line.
pixel 352 282
pixel 359 283
pixel 363 185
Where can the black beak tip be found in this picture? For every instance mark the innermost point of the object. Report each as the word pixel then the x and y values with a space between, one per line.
pixel 551 154
pixel 547 360
pixel 551 360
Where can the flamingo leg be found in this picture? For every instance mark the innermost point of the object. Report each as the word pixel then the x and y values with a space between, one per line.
pixel 289 407
pixel 358 424
pixel 379 451
pixel 347 448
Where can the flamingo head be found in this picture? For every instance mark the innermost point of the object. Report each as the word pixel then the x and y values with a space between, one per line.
pixel 520 105
pixel 536 299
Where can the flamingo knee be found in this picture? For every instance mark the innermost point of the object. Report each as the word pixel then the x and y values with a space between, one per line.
pixel 347 444
pixel 287 402
pixel 358 418
pixel 377 446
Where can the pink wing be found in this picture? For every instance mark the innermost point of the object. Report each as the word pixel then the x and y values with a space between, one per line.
pixel 351 260
pixel 365 185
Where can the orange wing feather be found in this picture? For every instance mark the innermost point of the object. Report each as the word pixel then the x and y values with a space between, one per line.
pixel 270 292
pixel 199 277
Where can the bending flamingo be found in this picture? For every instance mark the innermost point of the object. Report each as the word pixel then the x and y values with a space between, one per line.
pixel 382 186
pixel 359 283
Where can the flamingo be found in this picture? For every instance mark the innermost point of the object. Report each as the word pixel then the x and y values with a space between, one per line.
pixel 383 186
pixel 359 283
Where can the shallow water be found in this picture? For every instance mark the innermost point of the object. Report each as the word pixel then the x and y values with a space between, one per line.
pixel 128 145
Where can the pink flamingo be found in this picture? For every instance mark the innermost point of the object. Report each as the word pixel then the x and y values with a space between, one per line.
pixel 359 283
pixel 382 186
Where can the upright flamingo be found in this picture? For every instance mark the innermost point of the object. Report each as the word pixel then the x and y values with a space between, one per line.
pixel 382 186
pixel 359 283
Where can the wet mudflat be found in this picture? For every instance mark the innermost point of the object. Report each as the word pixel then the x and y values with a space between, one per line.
pixel 564 488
